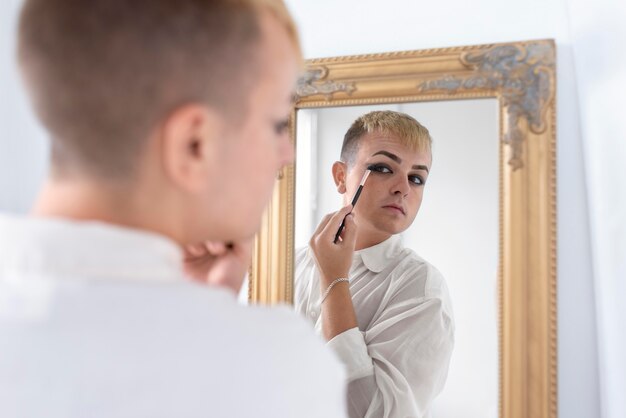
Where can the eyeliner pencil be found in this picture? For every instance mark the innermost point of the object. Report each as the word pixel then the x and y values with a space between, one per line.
pixel 354 200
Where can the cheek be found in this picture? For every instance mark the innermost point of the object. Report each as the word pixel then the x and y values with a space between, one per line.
pixel 374 185
pixel 416 201
pixel 369 194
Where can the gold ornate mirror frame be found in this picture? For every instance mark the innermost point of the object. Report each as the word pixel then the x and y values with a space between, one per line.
pixel 521 76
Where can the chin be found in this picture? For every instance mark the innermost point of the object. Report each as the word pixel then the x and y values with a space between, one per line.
pixel 248 231
pixel 393 229
pixel 227 233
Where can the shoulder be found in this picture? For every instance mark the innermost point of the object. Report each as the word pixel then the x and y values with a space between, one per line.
pixel 271 343
pixel 291 338
pixel 412 269
pixel 277 327
pixel 289 359
pixel 194 333
pixel 280 336
pixel 421 279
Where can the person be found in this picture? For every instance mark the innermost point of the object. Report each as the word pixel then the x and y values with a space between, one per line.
pixel 383 309
pixel 168 124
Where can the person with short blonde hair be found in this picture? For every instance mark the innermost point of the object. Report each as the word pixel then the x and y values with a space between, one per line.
pixel 400 125
pixel 102 77
pixel 168 123
pixel 383 309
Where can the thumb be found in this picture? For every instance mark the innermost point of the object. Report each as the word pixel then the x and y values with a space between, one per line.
pixel 349 233
pixel 226 272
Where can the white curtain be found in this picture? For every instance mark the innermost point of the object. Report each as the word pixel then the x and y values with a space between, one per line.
pixel 598 32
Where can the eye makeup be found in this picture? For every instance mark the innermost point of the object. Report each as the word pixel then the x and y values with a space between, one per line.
pixel 385 169
pixel 280 127
pixel 354 200
pixel 379 168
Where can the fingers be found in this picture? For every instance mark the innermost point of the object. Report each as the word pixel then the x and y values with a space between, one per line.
pixel 204 250
pixel 332 226
pixel 334 259
pixel 216 248
pixel 331 219
pixel 242 249
pixel 322 224
pixel 229 272
pixel 210 249
pixel 194 250
pixel 329 226
pixel 220 263
pixel 319 229
pixel 348 237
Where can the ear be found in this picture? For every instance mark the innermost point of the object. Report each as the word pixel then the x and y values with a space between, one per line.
pixel 340 172
pixel 190 146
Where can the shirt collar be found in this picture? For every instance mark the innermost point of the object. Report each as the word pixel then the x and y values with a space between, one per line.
pixel 378 256
pixel 66 248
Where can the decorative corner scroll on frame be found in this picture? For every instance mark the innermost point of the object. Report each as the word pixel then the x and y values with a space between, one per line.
pixel 522 74
pixel 313 82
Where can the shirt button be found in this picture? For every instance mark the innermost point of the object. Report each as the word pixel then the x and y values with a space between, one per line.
pixel 313 314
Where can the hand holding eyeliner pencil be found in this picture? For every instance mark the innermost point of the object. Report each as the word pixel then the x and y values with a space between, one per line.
pixel 354 200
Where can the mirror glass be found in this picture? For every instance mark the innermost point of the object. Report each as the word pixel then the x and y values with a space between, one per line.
pixel 456 228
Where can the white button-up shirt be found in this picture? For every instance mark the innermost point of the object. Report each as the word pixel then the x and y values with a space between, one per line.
pixel 98 321
pixel 397 359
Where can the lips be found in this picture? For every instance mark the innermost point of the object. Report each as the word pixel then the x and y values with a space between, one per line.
pixel 396 207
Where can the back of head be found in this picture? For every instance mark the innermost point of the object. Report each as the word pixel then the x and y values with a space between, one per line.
pixel 397 124
pixel 103 73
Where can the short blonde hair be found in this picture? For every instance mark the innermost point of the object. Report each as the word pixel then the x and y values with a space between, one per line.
pixel 402 126
pixel 279 11
pixel 103 73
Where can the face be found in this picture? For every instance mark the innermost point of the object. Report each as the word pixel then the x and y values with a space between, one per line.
pixel 253 152
pixel 393 192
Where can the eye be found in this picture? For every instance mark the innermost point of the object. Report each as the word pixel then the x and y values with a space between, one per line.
pixel 379 168
pixel 417 180
pixel 281 127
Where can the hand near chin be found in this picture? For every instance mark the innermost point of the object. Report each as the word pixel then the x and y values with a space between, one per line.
pixel 334 259
pixel 219 263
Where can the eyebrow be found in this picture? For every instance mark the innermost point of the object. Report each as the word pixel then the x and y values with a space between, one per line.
pixel 399 160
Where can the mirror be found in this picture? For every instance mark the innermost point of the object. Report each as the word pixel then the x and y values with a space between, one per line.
pixel 491 111
pixel 456 228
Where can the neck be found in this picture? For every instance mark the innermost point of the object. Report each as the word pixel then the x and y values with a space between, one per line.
pixel 94 200
pixel 366 240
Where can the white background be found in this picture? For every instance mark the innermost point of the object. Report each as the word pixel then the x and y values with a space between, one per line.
pixel 23 148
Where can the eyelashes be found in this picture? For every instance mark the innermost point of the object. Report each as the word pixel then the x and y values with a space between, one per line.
pixel 385 169
pixel 379 168
pixel 417 180
pixel 281 126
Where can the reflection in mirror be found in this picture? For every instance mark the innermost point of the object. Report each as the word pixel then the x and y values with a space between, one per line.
pixel 456 230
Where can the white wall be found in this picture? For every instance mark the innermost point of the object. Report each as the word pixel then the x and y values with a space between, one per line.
pixel 23 148
pixel 330 28
pixel 599 42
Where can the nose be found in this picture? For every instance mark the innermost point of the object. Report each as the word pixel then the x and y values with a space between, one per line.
pixel 401 186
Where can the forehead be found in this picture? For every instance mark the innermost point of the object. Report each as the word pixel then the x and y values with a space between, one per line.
pixel 374 142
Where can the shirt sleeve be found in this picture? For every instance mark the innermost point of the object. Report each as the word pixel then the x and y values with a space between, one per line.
pixel 400 363
pixel 351 349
